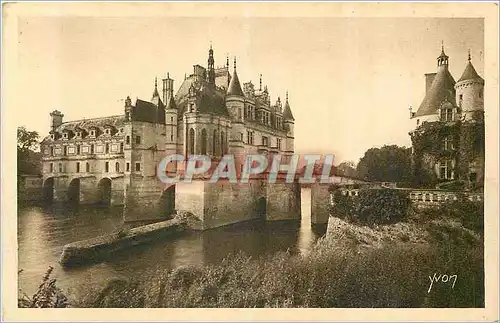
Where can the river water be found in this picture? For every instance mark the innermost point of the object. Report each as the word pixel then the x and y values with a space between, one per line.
pixel 42 232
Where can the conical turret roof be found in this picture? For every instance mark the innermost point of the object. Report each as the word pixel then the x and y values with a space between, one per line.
pixel 287 111
pixel 235 86
pixel 171 103
pixel 469 73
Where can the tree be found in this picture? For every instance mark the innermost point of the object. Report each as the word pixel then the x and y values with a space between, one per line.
pixel 386 164
pixel 347 169
pixel 28 160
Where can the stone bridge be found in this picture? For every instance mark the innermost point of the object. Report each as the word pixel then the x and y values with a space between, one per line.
pixel 85 189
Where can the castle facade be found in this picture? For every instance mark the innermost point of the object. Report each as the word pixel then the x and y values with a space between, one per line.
pixel 113 160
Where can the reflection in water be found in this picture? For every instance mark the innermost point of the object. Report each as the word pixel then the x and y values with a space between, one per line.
pixel 42 232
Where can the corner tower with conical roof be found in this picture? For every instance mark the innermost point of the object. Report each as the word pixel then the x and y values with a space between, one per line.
pixel 469 92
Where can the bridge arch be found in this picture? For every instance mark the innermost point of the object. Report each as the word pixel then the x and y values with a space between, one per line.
pixel 48 190
pixel 74 191
pixel 104 191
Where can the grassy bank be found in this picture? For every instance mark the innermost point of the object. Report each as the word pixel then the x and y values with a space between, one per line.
pixel 358 266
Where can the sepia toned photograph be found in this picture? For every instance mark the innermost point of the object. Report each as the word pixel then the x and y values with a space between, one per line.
pixel 246 161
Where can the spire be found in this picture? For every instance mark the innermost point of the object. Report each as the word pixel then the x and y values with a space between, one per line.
pixel 469 56
pixel 287 112
pixel 155 92
pixel 260 83
pixel 227 61
pixel 234 86
pixel 211 68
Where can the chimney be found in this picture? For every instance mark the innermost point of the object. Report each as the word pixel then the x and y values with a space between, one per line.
pixel 168 89
pixel 56 119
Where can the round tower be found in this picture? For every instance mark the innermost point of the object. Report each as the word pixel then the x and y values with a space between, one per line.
pixel 235 103
pixel 469 92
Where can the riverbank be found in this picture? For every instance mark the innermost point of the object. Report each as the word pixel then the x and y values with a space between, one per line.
pixel 358 266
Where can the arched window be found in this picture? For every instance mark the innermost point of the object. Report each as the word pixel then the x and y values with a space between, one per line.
pixel 117 167
pixel 87 167
pixel 203 142
pixel 214 143
pixel 191 141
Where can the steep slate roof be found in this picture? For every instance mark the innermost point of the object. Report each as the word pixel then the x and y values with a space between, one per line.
pixel 115 121
pixel 442 88
pixel 470 73
pixel 148 112
pixel 210 100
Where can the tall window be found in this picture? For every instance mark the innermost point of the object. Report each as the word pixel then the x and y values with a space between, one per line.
pixel 117 167
pixel 78 149
pixel 138 140
pixel 250 137
pixel 278 143
pixel 65 148
pixel 106 167
pixel 52 151
pixel 137 167
pixel 446 169
pixel 127 140
pixel 60 168
pixel 87 167
pixel 121 147
pixel 239 114
pixel 191 141
pixel 127 168
pixel 264 141
pixel 214 143
pixel 77 167
pixel 222 143
pixel 448 143
pixel 107 148
pixel 92 148
pixel 51 168
pixel 203 142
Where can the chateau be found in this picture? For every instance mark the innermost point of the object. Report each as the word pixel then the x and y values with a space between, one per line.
pixel 448 141
pixel 113 160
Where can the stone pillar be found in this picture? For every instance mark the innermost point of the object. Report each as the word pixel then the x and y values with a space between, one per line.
pixel 320 202
pixel 283 201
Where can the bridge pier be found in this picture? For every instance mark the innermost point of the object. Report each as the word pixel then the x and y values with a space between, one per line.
pixel 320 202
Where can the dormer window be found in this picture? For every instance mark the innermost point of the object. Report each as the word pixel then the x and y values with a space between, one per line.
pixel 65 135
pixel 92 133
pixel 53 136
pixel 108 131
pixel 78 134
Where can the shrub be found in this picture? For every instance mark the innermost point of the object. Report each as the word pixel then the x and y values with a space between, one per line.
pixel 48 295
pixel 382 206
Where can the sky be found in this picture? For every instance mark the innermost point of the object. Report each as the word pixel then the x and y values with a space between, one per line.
pixel 350 80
